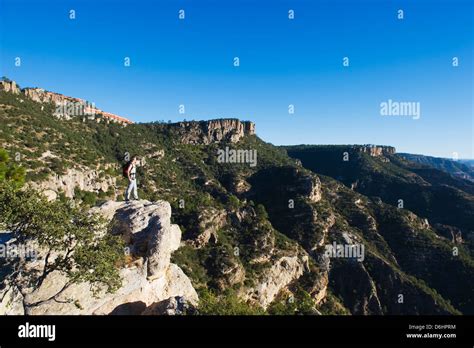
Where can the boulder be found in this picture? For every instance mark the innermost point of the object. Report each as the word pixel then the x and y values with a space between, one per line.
pixel 283 271
pixel 176 305
pixel 144 283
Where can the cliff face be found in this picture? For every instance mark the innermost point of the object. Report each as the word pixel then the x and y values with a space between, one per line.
pixel 150 280
pixel 42 96
pixel 376 150
pixel 83 178
pixel 9 86
pixel 207 132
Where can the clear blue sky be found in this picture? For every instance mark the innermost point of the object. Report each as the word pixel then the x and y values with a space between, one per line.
pixel 283 62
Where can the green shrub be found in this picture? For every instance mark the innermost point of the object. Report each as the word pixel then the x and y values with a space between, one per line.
pixel 10 172
pixel 225 304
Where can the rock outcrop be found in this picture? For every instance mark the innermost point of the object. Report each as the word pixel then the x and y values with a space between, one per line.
pixel 210 221
pixel 41 95
pixel 149 280
pixel 283 272
pixel 212 131
pixel 9 86
pixel 83 179
pixel 308 185
pixel 173 306
pixel 376 150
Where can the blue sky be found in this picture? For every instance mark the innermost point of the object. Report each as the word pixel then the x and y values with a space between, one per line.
pixel 282 62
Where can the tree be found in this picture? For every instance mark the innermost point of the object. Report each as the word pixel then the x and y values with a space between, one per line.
pixel 70 239
pixel 261 212
pixel 233 202
pixel 11 172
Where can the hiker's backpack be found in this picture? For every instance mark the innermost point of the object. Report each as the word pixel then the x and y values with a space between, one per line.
pixel 126 169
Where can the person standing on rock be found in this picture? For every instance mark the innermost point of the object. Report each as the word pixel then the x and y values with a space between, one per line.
pixel 130 171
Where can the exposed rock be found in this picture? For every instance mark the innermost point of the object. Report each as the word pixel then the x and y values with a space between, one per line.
pixel 40 95
pixel 245 214
pixel 284 270
pixel 353 283
pixel 323 225
pixel 158 155
pixel 240 186
pixel 450 232
pixel 9 86
pixel 162 243
pixel 319 289
pixel 225 268
pixel 84 179
pixel 11 301
pixel 309 186
pixel 176 305
pixel 148 227
pixel 262 245
pixel 391 284
pixel 376 150
pixel 148 223
pixel 213 131
pixel 210 221
pixel 232 274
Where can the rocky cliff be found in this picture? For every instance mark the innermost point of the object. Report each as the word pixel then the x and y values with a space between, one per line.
pixel 376 150
pixel 207 132
pixel 148 279
pixel 75 178
pixel 9 86
pixel 41 95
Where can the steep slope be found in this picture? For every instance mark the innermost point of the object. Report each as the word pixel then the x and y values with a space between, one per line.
pixel 426 191
pixel 456 168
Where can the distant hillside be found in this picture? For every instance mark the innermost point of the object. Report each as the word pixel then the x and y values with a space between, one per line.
pixel 460 168
pixel 428 192
pixel 468 162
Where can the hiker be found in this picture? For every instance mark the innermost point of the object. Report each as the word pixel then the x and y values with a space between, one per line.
pixel 129 171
